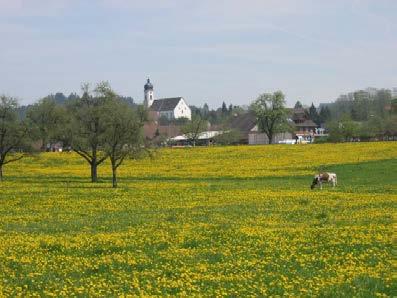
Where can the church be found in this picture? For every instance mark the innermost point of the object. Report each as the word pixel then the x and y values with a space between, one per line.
pixel 171 108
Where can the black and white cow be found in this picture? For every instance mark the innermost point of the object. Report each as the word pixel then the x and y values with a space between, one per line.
pixel 324 178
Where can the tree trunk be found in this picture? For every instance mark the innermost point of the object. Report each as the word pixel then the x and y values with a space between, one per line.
pixel 1 173
pixel 114 178
pixel 94 166
pixel 270 136
pixel 94 175
pixel 43 145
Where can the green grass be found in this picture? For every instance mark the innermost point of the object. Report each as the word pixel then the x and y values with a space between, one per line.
pixel 221 236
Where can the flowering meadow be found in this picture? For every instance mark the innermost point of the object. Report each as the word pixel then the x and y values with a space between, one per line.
pixel 214 221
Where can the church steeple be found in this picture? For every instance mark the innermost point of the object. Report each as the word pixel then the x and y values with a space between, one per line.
pixel 148 94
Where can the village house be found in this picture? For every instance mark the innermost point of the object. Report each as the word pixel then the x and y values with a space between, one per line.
pixel 246 125
pixel 243 123
pixel 305 130
pixel 255 137
pixel 304 125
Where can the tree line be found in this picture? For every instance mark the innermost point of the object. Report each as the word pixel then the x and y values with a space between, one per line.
pixel 362 115
pixel 359 115
pixel 98 125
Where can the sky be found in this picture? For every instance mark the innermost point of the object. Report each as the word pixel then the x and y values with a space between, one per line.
pixel 206 51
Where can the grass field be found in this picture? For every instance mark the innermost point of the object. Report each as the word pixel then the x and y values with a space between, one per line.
pixel 221 221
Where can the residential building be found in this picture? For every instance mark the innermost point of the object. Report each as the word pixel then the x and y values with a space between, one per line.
pixel 246 125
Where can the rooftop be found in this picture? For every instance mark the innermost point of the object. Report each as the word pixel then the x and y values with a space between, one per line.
pixel 243 122
pixel 165 104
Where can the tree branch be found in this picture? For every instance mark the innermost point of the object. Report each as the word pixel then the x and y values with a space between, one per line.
pixel 83 154
pixel 121 160
pixel 12 159
pixel 101 160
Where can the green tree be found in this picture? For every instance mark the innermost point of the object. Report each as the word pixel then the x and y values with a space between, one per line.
pixel 324 115
pixel 228 137
pixel 87 127
pixel 298 105
pixel 391 126
pixel 374 127
pixel 194 128
pixel 360 106
pixel 224 109
pixel 271 113
pixel 205 110
pixel 383 98
pixel 343 130
pixel 393 107
pixel 60 98
pixel 72 96
pixel 230 109
pixel 47 119
pixel 124 135
pixel 13 132
pixel 313 114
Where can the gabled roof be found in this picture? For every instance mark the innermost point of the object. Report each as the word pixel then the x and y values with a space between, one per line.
pixel 243 122
pixel 165 104
pixel 298 114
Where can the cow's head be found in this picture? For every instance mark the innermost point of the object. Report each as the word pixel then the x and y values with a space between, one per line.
pixel 315 182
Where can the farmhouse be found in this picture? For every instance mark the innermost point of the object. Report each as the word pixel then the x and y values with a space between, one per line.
pixel 246 125
pixel 304 128
pixel 304 125
pixel 243 123
pixel 256 137
pixel 170 108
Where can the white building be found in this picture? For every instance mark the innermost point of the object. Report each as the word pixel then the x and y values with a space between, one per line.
pixel 171 108
pixel 205 135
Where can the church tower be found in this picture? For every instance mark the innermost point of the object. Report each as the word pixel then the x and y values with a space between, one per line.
pixel 148 94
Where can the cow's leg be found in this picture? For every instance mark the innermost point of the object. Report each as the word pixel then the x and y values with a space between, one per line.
pixel 321 185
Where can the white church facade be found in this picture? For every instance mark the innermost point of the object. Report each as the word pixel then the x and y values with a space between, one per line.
pixel 171 108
